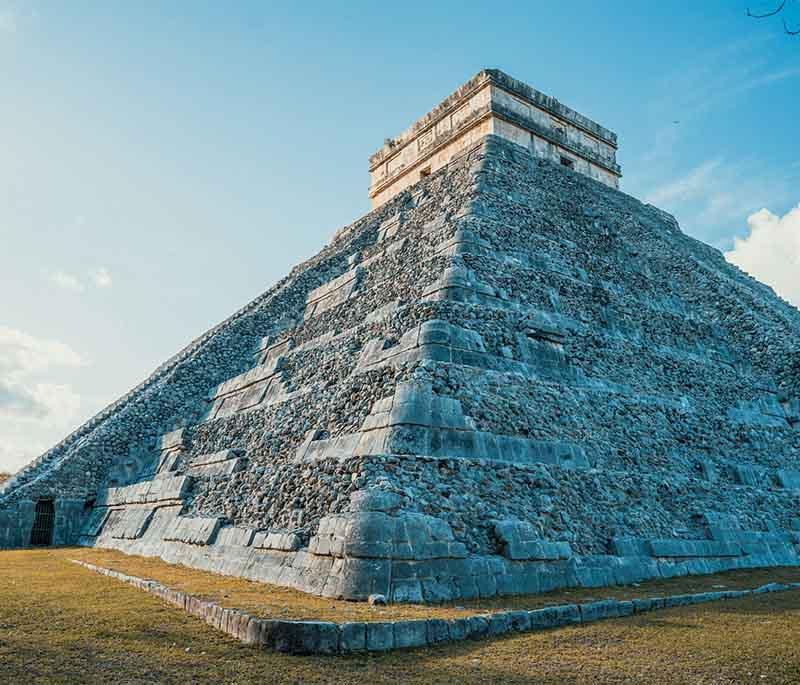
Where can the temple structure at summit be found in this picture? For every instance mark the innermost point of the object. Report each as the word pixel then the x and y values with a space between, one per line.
pixel 507 377
pixel 493 103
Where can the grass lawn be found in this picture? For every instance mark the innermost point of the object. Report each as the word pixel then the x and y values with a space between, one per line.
pixel 60 623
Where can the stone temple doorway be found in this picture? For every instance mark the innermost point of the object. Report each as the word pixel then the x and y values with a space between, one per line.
pixel 43 523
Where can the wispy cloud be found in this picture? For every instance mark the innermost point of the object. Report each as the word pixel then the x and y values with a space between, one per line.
pixel 100 277
pixel 64 280
pixel 715 79
pixel 712 199
pixel 689 186
pixel 23 354
pixel 720 75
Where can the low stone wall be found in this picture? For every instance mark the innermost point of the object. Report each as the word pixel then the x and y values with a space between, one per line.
pixel 327 637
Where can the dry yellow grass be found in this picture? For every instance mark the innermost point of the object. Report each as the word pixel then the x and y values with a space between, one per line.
pixel 4 476
pixel 60 623
pixel 271 601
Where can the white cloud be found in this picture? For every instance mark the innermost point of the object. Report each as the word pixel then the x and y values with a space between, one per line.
pixel 693 184
pixel 22 354
pixel 771 252
pixel 718 76
pixel 18 400
pixel 34 402
pixel 64 280
pixel 100 277
pixel 34 413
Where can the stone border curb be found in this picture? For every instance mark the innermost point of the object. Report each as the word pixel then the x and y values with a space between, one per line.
pixel 326 637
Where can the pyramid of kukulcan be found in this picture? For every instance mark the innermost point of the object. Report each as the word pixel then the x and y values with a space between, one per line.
pixel 508 377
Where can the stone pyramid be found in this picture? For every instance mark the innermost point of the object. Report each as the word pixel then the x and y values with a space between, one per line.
pixel 508 377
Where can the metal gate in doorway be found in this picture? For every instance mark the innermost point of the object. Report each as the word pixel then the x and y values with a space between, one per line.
pixel 43 523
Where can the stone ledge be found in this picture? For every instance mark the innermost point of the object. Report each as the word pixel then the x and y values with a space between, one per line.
pixel 156 490
pixel 418 421
pixel 328 638
pixel 193 531
pixel 129 523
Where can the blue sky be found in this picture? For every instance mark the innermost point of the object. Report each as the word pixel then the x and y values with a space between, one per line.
pixel 163 163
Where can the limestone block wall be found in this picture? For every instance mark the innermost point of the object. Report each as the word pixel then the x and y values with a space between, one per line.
pixel 407 172
pixel 377 546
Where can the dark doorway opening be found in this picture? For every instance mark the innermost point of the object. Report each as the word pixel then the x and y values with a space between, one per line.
pixel 43 523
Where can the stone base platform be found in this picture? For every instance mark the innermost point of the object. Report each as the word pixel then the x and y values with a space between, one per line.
pixel 377 548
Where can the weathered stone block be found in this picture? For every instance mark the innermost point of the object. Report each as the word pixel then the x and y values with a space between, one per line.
pixel 521 541
pixel 595 611
pixel 500 623
pixel 380 636
pixel 353 637
pixel 459 629
pixel 694 548
pixel 550 617
pixel 408 634
pixel 567 614
pixel 305 637
pixel 644 605
pixel 520 621
pixel 630 547
pixel 788 479
pixel 438 630
pixel 678 600
pixel 253 632
pixel 477 627
pixel 374 500
pixel 407 591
